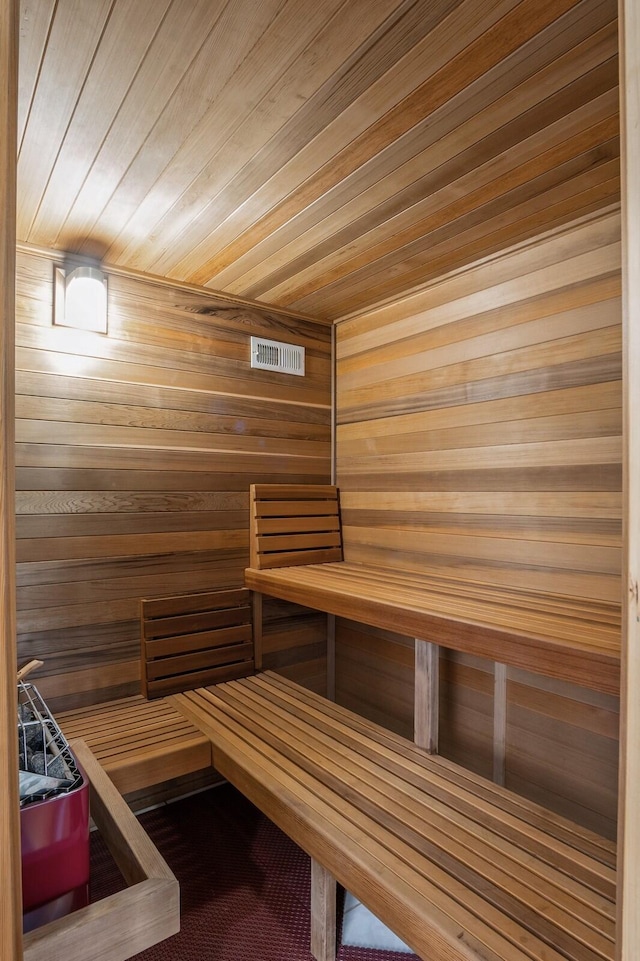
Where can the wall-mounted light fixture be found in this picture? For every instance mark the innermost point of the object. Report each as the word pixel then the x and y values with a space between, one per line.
pixel 81 299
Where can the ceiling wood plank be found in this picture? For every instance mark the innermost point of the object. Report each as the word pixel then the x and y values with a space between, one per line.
pixel 309 157
pixel 79 27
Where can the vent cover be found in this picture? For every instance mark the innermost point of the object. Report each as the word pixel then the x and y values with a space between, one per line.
pixel 272 355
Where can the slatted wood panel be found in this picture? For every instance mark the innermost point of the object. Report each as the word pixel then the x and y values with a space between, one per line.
pixel 459 868
pixel 479 435
pixel 134 458
pixel 138 743
pixel 192 640
pixel 317 155
pixel 294 525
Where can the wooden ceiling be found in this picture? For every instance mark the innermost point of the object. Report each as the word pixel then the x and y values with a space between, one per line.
pixel 319 155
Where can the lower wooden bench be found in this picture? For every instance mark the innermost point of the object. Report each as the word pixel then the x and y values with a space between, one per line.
pixel 139 743
pixel 459 868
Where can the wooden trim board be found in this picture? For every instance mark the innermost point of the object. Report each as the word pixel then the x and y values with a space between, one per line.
pixel 628 941
pixel 10 902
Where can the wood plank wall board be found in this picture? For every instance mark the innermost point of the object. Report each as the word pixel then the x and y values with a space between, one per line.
pixel 579 730
pixel 311 674
pixel 10 889
pixel 479 433
pixel 466 726
pixel 294 640
pixel 135 453
pixel 172 790
pixel 374 675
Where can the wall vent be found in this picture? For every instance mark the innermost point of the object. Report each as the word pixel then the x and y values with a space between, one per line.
pixel 272 355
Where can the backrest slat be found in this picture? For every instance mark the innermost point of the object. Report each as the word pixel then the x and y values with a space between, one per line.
pixel 191 640
pixel 294 524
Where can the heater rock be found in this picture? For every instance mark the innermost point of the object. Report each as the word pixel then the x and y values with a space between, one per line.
pixel 55 766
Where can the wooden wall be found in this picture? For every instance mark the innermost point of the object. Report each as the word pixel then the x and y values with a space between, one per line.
pixel 479 431
pixel 135 451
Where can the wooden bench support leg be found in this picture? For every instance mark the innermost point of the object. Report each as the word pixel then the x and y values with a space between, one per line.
pixel 331 657
pixel 426 713
pixel 499 722
pixel 256 601
pixel 323 913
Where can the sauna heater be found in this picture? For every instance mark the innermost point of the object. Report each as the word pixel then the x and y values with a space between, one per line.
pixel 54 816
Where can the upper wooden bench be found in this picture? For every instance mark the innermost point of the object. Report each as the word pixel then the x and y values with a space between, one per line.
pixel 296 555
pixel 459 868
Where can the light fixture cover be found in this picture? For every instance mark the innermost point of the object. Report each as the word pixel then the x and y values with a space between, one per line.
pixel 85 300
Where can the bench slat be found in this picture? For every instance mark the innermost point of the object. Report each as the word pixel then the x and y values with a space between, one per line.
pixel 464 848
pixel 139 743
pixel 197 642
pixel 560 650
pixel 184 603
pixel 572 638
pixel 492 799
pixel 411 841
pixel 304 492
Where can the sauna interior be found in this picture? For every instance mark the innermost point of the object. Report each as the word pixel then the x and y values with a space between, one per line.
pixel 426 197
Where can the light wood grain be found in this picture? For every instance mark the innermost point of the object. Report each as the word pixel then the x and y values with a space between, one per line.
pixel 317 156
pixel 138 743
pixel 323 913
pixel 421 842
pixel 191 640
pixel 426 711
pixel 629 876
pixel 136 458
pixel 10 899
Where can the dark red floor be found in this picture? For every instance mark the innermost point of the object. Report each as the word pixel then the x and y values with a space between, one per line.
pixel 244 885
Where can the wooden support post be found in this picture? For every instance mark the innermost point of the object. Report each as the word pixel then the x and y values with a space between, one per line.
pixel 499 722
pixel 331 657
pixel 628 921
pixel 323 913
pixel 426 710
pixel 10 899
pixel 256 603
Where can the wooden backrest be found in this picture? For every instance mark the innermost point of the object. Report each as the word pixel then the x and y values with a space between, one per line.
pixel 293 524
pixel 191 640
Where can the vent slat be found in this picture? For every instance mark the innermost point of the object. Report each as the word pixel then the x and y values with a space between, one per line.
pixel 273 355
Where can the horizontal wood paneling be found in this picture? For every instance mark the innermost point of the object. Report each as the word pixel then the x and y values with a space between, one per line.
pixel 479 434
pixel 324 156
pixel 562 749
pixel 374 675
pixel 135 453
